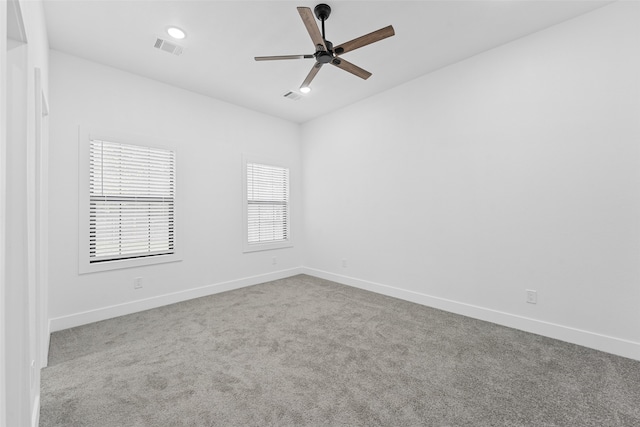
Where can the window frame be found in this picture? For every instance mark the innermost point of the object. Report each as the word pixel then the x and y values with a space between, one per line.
pixel 255 247
pixel 84 263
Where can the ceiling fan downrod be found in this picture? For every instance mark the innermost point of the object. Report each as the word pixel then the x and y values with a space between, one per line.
pixel 322 12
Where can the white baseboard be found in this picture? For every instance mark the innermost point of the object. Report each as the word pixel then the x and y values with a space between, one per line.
pixel 83 318
pixel 617 346
pixel 35 414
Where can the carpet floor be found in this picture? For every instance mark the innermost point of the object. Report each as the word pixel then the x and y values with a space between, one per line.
pixel 303 351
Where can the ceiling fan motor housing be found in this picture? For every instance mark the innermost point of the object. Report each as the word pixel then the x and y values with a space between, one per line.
pixel 324 57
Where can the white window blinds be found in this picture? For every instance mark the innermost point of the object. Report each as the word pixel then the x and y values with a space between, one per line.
pixel 267 204
pixel 131 201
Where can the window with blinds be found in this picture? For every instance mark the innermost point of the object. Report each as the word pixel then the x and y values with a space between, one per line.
pixel 131 201
pixel 267 207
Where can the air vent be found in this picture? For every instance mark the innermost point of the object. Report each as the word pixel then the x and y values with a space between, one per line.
pixel 168 47
pixel 292 95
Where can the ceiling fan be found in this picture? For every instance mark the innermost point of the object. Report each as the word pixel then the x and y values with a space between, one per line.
pixel 325 52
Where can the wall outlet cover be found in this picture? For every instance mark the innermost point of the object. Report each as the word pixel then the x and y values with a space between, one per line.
pixel 532 296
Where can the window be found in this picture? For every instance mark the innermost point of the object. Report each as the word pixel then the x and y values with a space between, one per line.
pixel 267 216
pixel 130 205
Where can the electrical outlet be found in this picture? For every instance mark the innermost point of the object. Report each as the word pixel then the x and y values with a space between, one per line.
pixel 344 263
pixel 274 260
pixel 532 296
pixel 137 283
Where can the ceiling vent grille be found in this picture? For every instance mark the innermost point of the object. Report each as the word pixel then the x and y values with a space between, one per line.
pixel 168 47
pixel 292 95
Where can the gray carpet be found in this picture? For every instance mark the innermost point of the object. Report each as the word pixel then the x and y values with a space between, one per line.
pixel 305 351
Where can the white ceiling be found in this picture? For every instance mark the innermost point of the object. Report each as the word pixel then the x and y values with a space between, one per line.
pixel 224 36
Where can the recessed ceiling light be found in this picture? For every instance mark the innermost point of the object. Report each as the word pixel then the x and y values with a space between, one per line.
pixel 176 33
pixel 305 89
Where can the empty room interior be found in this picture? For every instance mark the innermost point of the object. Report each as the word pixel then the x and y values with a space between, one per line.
pixel 361 213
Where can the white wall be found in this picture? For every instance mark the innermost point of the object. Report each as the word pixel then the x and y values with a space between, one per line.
pixel 209 137
pixel 16 270
pixel 3 206
pixel 516 169
pixel 24 53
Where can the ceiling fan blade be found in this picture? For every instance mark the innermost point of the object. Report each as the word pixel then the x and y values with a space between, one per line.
pixel 353 69
pixel 354 44
pixel 273 58
pixel 311 75
pixel 310 22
